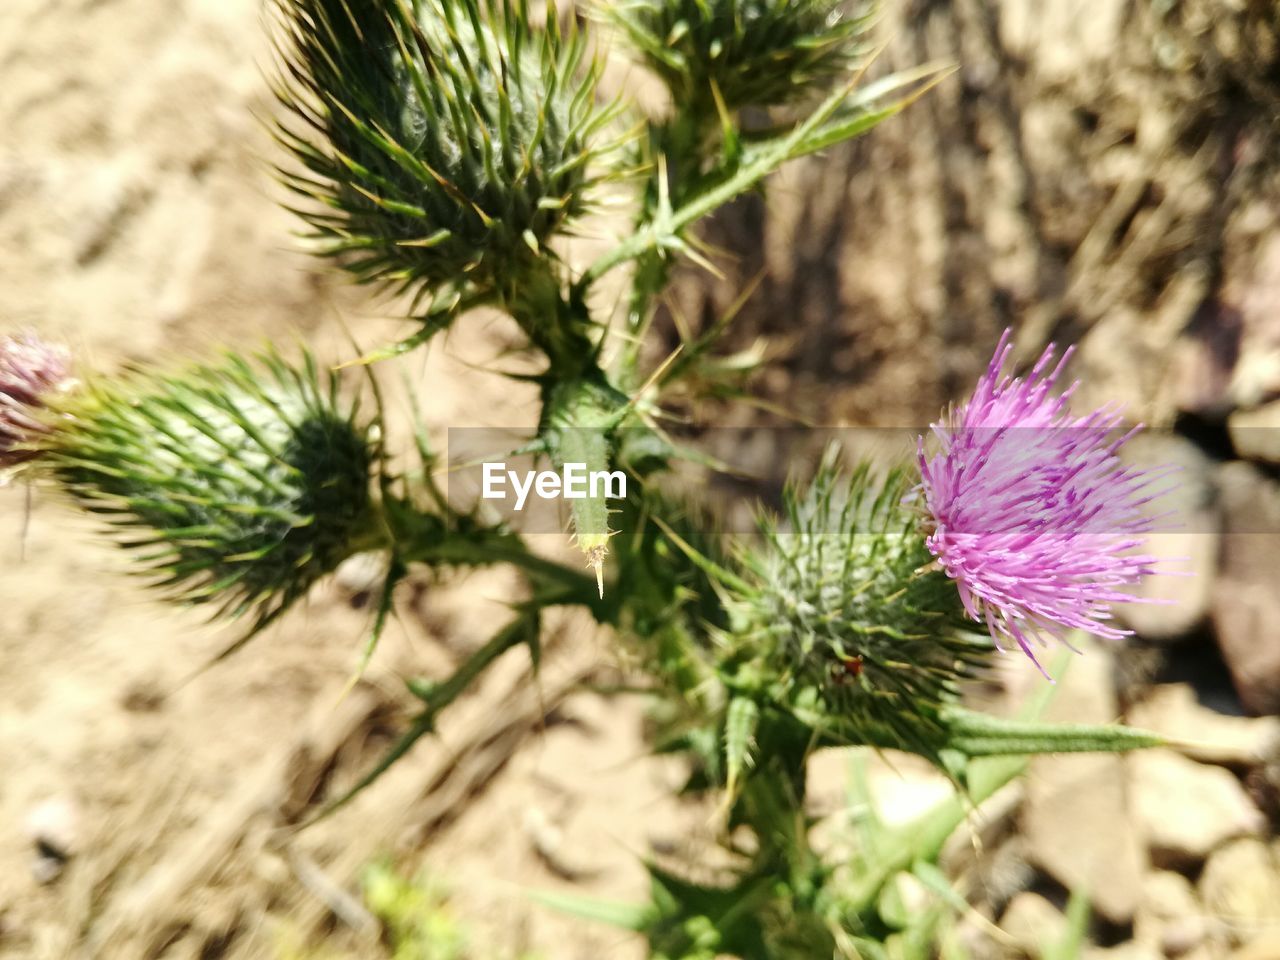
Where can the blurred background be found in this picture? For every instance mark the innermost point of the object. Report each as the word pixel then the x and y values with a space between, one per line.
pixel 1098 172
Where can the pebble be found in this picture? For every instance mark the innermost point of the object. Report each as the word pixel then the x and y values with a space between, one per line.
pixel 1255 434
pixel 1169 916
pixel 1246 604
pixel 53 827
pixel 1076 819
pixel 1173 711
pixel 1186 542
pixel 1186 809
pixel 361 575
pixel 1131 950
pixel 1265 946
pixel 1031 921
pixel 1240 888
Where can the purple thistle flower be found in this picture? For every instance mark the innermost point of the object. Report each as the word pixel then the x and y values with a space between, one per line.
pixel 30 371
pixel 1032 512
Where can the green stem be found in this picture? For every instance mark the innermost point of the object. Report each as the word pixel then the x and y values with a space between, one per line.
pixel 663 230
pixel 437 697
pixel 682 144
pixel 810 136
pixel 425 538
pixel 653 272
pixel 983 735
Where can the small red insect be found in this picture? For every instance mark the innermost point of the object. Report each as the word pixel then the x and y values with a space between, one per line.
pixel 847 670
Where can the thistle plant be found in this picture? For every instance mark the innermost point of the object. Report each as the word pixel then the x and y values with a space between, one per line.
pixel 439 149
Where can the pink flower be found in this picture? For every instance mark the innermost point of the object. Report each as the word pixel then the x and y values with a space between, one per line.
pixel 30 370
pixel 1032 512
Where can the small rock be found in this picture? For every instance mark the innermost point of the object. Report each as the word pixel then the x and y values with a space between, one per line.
pixel 1255 434
pixel 1172 710
pixel 1240 887
pixel 1076 819
pixel 46 869
pixel 1132 950
pixel 1256 377
pixel 1031 921
pixel 359 576
pixel 55 824
pixel 143 695
pixel 1263 784
pixel 1169 916
pixel 549 842
pixel 1246 604
pixel 54 828
pixel 1186 809
pixel 1265 946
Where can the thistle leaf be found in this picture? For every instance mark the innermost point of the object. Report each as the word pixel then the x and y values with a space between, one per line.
pixel 579 418
pixel 739 741
pixel 982 735
pixel 625 916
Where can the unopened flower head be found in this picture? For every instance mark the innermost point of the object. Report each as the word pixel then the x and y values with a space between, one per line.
pixel 749 52
pixel 237 483
pixel 1031 510
pixel 442 142
pixel 841 614
pixel 31 371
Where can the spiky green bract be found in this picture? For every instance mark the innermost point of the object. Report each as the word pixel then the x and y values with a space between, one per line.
pixel 844 622
pixel 755 52
pixel 443 141
pixel 236 484
pixel 579 419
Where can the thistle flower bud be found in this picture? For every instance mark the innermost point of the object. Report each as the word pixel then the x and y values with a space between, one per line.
pixel 755 52
pixel 32 372
pixel 849 622
pixel 234 484
pixel 444 141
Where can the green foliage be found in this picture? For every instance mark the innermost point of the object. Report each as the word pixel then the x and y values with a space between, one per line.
pixel 236 484
pixel 416 918
pixel 749 52
pixel 414 914
pixel 442 142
